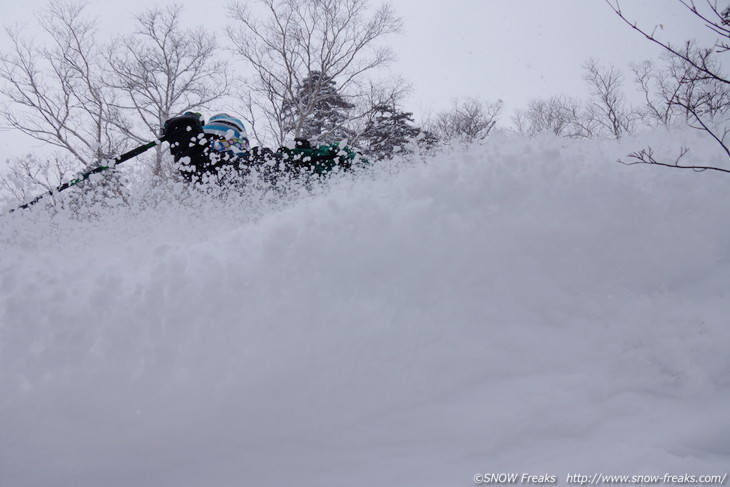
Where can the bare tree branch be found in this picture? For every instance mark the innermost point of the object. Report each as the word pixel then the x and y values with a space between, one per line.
pixel 683 53
pixel 646 156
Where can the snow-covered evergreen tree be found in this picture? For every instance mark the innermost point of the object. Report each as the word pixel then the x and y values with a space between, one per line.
pixel 319 111
pixel 388 132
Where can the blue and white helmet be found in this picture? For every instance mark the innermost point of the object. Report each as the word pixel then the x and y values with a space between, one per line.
pixel 231 132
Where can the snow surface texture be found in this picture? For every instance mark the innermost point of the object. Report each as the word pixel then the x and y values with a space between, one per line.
pixel 521 306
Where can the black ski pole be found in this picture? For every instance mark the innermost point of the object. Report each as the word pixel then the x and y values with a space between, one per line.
pixel 116 161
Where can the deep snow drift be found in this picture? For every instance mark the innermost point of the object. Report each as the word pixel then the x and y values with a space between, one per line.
pixel 521 306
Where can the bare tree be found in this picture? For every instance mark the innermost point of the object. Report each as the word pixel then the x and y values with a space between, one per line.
pixel 694 84
pixel 468 120
pixel 295 38
pixel 560 115
pixel 163 70
pixel 610 108
pixel 659 88
pixel 57 94
pixel 66 89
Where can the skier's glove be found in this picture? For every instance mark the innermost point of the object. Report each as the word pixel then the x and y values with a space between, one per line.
pixel 182 128
pixel 301 143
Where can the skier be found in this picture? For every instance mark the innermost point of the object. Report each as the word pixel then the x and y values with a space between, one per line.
pixel 219 150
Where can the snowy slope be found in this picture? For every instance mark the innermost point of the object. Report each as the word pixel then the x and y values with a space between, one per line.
pixel 522 306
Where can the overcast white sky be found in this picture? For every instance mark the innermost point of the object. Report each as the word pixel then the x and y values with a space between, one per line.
pixel 512 50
